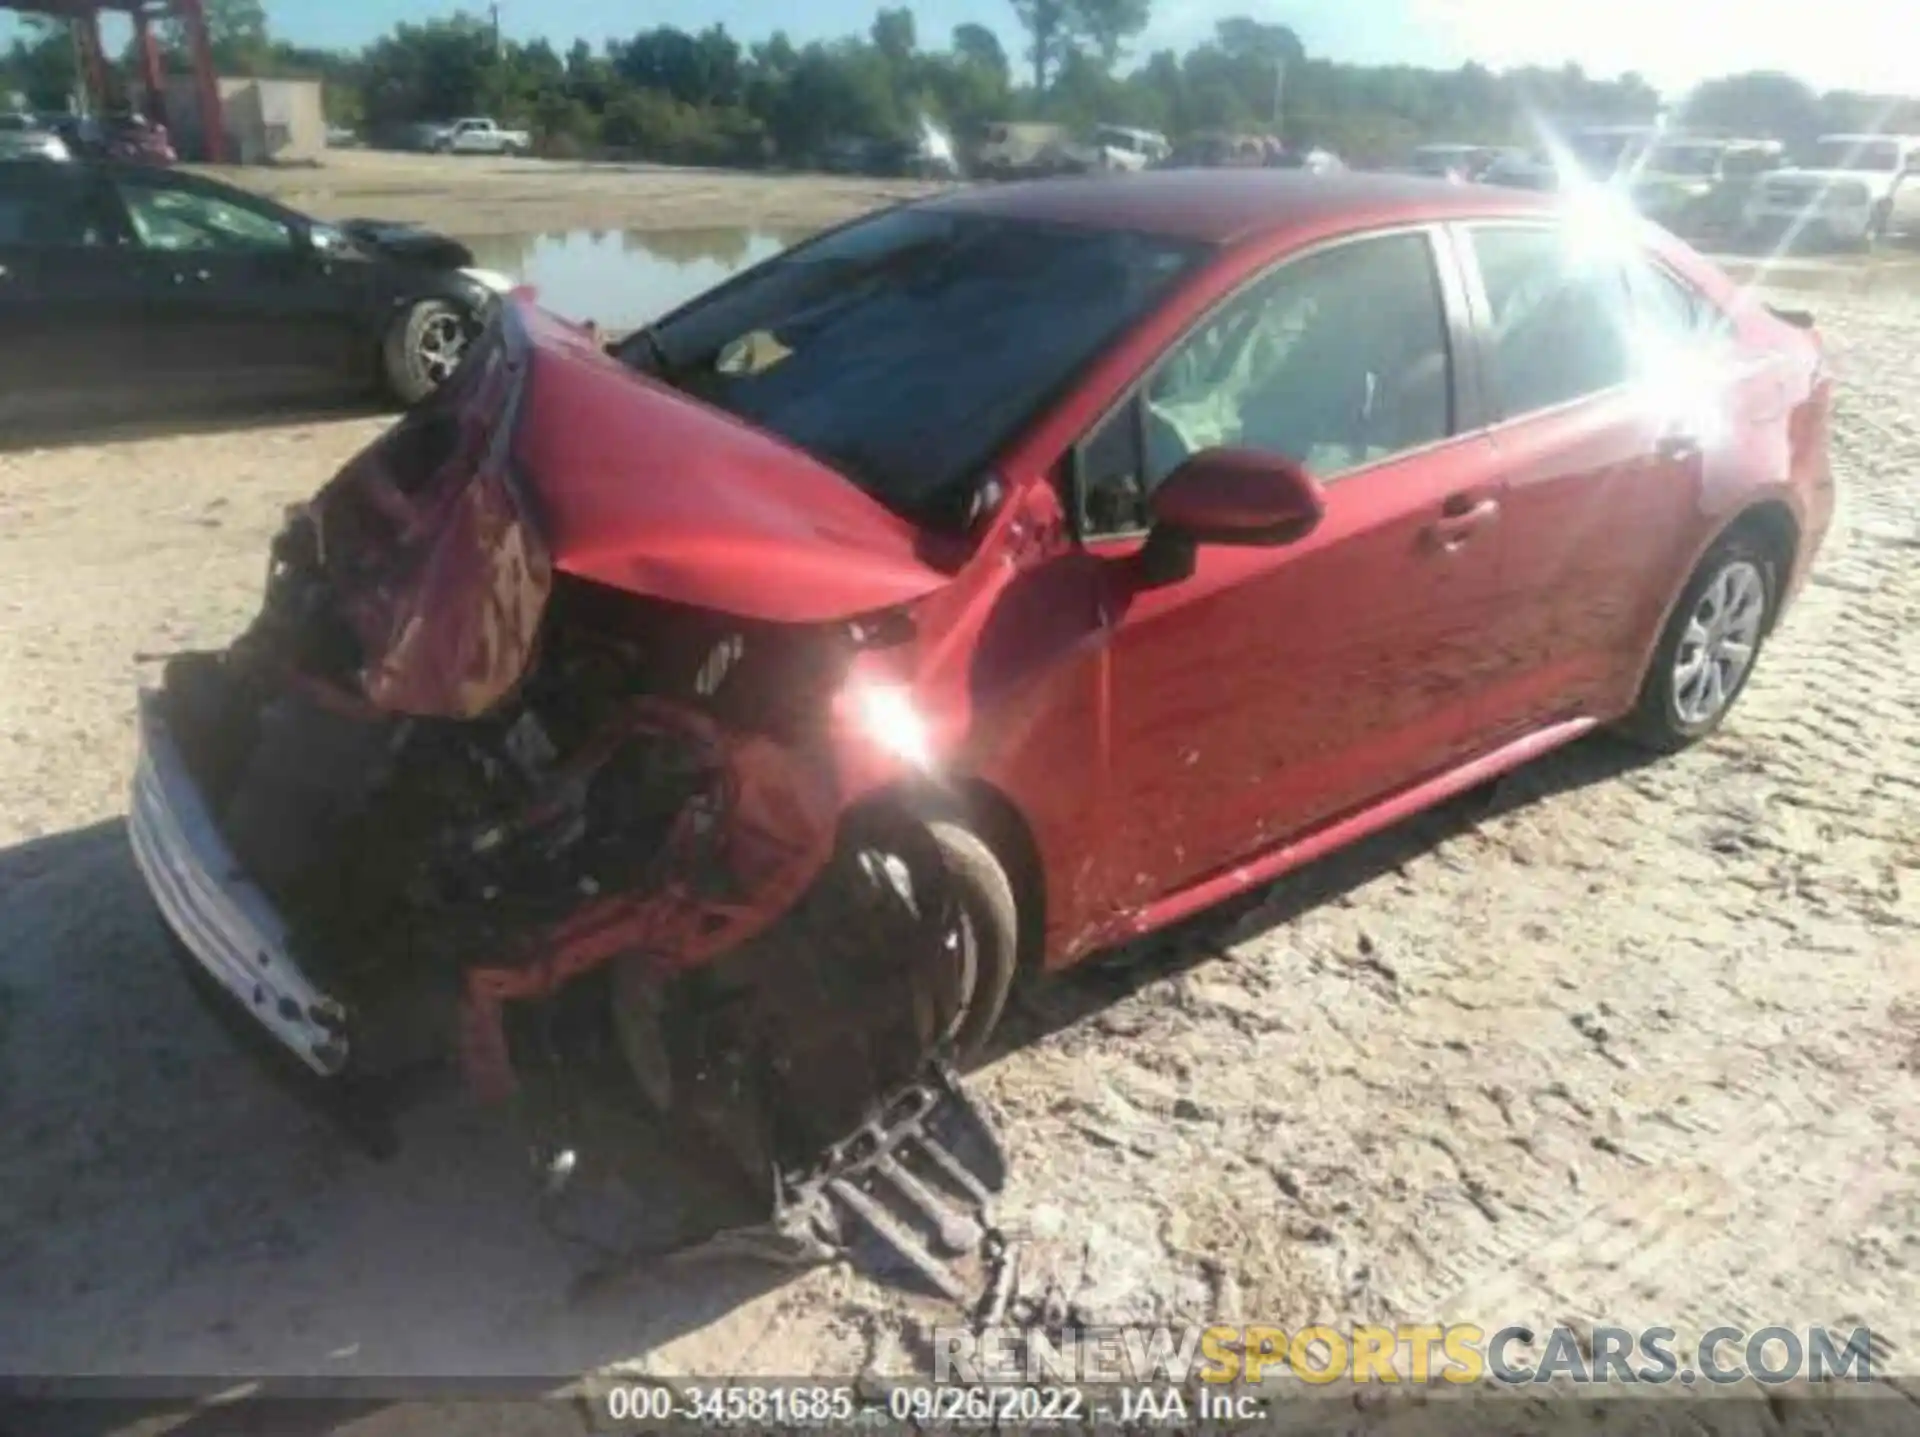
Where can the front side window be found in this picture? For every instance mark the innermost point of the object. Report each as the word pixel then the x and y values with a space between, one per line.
pixel 169 218
pixel 1558 325
pixel 905 350
pixel 1336 360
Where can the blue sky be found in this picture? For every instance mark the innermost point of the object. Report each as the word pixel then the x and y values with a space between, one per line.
pixel 1836 43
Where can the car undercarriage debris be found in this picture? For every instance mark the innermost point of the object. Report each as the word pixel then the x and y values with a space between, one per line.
pixel 908 1196
pixel 642 830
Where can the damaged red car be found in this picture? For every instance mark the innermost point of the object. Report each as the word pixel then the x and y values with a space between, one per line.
pixel 974 586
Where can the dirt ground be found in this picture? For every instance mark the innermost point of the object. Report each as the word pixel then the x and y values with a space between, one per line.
pixel 1639 1044
pixel 479 195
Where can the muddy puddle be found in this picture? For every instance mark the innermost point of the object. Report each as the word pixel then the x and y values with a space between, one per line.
pixel 621 279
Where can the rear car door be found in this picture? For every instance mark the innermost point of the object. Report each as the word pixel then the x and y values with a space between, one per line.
pixel 69 291
pixel 1599 448
pixel 237 300
pixel 1276 688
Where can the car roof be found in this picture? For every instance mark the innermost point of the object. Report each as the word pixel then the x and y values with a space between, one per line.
pixel 1232 205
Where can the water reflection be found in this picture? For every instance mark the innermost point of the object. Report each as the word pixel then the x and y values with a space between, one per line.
pixel 623 278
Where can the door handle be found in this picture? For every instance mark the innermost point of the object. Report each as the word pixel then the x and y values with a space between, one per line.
pixel 1461 517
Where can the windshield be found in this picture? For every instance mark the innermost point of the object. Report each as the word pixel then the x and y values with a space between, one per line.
pixel 1684 160
pixel 1879 156
pixel 906 349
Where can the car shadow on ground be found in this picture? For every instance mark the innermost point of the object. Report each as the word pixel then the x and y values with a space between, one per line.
pixel 167 1212
pixel 111 424
pixel 1049 1003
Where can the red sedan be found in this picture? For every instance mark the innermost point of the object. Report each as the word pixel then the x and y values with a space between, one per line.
pixel 972 587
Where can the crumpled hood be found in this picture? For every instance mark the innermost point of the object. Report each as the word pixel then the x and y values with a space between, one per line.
pixel 642 488
pixel 439 543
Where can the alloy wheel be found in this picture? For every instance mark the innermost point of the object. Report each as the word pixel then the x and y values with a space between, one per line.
pixel 1717 646
pixel 440 346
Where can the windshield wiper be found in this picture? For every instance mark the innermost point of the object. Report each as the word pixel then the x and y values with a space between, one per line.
pixel 656 352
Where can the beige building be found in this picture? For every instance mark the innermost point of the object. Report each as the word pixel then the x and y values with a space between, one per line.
pixel 267 121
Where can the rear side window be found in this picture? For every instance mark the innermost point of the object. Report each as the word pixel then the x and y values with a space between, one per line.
pixel 46 208
pixel 1559 325
pixel 1669 308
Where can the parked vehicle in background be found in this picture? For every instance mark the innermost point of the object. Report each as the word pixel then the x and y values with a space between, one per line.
pixel 916 157
pixel 477 135
pixel 1314 161
pixel 24 137
pixel 1697 186
pixel 157 289
pixel 1518 170
pixel 341 137
pixel 1459 163
pixel 1854 190
pixel 125 138
pixel 1218 149
pixel 419 137
pixel 1122 148
pixel 1008 149
pixel 979 584
pixel 1604 151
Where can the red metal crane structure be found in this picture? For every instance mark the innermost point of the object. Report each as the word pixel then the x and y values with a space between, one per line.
pixel 84 17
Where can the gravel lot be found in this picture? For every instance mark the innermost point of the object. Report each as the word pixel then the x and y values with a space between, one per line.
pixel 1638 1044
pixel 478 196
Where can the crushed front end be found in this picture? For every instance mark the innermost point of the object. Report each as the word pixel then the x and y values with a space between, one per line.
pixel 442 785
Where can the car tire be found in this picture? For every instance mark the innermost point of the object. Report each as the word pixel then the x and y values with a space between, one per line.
pixel 985 894
pixel 409 368
pixel 649 1016
pixel 1730 601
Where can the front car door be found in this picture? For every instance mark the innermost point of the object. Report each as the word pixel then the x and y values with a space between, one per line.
pixel 237 299
pixel 1277 688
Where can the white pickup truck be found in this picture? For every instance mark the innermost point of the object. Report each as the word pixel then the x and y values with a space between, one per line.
pixel 1857 189
pixel 477 135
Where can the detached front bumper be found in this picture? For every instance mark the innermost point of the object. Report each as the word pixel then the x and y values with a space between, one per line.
pixel 224 922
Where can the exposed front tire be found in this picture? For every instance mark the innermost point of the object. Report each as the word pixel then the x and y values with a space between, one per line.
pixel 904 949
pixel 422 349
pixel 1708 649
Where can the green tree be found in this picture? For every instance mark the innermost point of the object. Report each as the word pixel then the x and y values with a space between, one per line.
pixel 893 36
pixel 1761 103
pixel 1058 30
pixel 236 33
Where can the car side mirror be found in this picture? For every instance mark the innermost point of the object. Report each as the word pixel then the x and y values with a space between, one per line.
pixel 1227 496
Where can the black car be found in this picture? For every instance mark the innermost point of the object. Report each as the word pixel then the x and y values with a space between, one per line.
pixel 124 283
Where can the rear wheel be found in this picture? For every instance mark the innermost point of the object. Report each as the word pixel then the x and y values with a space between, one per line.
pixel 1707 651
